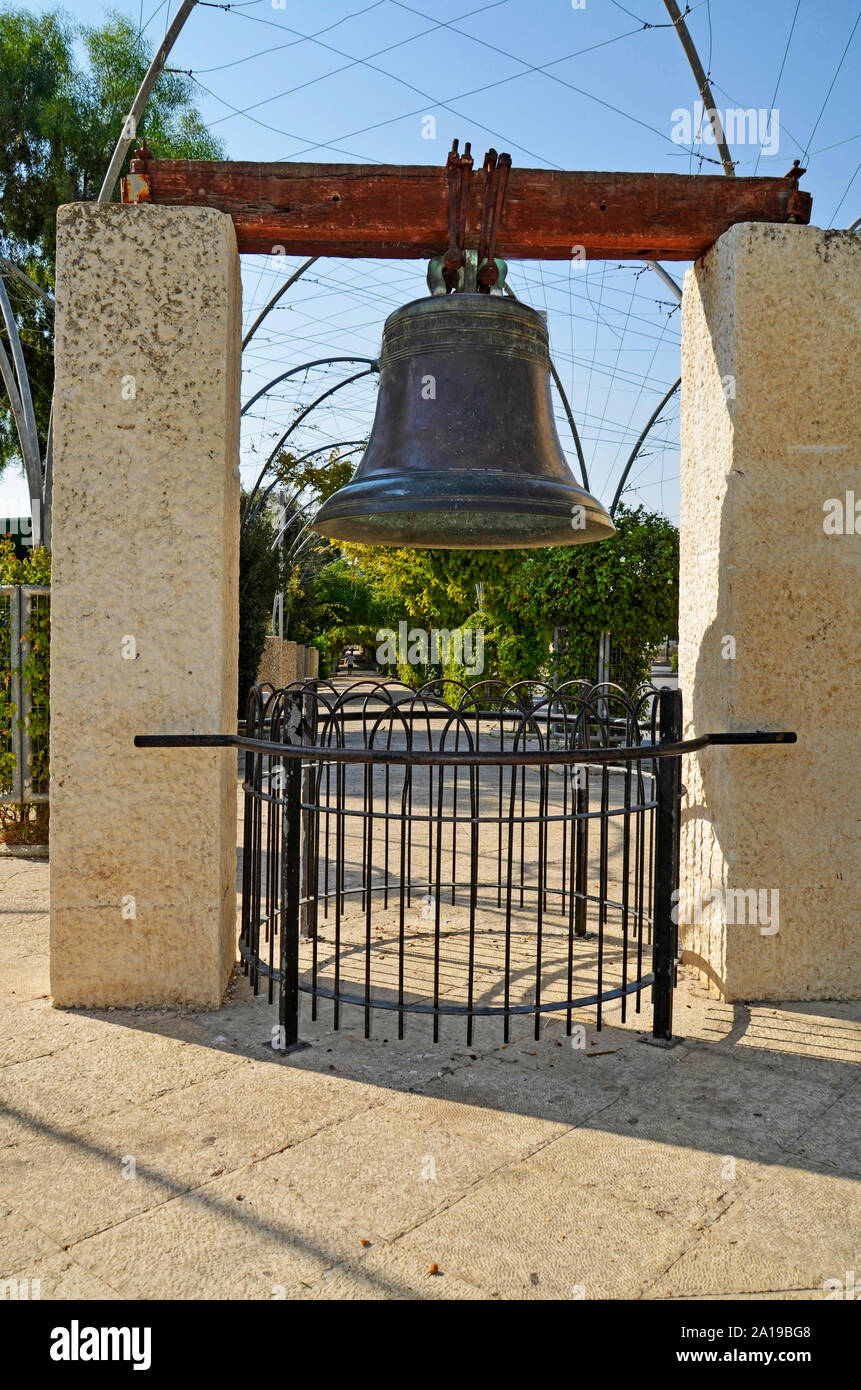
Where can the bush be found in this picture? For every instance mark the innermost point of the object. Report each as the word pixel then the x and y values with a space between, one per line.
pixel 259 566
pixel 25 823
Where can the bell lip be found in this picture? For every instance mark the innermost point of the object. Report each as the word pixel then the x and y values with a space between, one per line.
pixel 351 530
pixel 551 497
pixel 346 515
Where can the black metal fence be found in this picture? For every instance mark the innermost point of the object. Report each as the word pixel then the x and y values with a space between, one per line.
pixel 23 714
pixel 481 851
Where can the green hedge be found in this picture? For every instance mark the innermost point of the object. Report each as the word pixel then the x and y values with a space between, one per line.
pixel 25 823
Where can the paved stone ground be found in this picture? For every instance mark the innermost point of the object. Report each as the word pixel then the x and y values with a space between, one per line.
pixel 725 1167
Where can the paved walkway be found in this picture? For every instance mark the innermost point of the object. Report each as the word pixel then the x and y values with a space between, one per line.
pixel 156 1154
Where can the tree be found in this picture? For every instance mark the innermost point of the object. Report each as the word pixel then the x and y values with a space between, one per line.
pixel 627 585
pixel 453 589
pixel 317 604
pixel 340 607
pixel 60 123
pixel 258 584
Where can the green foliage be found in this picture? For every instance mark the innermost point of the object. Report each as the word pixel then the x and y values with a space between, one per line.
pixel 432 588
pixel 316 481
pixel 27 823
pixel 60 121
pixel 627 585
pixel 258 584
pixel 309 591
pixel 40 112
pixel 453 589
pixel 340 608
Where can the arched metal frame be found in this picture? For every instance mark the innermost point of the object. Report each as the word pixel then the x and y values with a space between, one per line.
pixel 321 449
pixel 634 454
pixel 286 435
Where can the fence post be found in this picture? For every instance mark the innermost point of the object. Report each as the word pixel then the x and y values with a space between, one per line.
pixel 288 1001
pixel 666 861
pixel 16 687
pixel 581 859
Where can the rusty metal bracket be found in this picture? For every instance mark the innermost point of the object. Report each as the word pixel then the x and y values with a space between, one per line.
pixel 471 271
pixel 496 170
pixel 458 171
pixel 135 186
pixel 797 203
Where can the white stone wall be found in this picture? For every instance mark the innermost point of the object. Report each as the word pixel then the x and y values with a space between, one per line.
pixel 771 429
pixel 146 506
pixel 284 661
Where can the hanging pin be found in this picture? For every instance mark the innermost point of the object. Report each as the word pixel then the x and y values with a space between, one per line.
pixel 459 176
pixel 496 169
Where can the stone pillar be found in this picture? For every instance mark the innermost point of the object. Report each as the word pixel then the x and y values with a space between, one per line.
pixel 283 662
pixel 144 605
pixel 271 663
pixel 289 660
pixel 771 450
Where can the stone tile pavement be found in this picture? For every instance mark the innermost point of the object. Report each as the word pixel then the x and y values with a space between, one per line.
pixel 161 1154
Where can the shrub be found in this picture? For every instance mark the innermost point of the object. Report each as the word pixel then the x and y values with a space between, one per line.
pixel 25 823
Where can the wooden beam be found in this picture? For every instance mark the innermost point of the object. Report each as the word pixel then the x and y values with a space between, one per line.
pixel 401 212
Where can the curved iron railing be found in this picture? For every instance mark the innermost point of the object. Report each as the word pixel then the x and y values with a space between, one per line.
pixel 477 851
pixel 486 854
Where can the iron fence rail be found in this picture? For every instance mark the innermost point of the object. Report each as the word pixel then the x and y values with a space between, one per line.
pixel 20 747
pixel 514 854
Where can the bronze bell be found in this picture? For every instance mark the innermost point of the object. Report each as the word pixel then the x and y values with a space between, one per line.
pixel 464 451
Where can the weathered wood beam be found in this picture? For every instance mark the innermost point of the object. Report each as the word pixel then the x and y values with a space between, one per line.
pixel 402 211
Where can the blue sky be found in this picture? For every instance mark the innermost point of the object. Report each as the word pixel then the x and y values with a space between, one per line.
pixel 557 87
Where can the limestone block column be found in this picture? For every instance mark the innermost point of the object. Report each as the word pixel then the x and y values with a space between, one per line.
pixel 145 609
pixel 289 660
pixel 770 463
pixel 271 663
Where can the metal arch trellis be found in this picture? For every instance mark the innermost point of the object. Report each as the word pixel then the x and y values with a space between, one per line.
pixel 298 420
pixel 40 478
pixel 728 165
pixel 634 454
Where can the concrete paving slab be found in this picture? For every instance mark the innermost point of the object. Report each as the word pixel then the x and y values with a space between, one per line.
pixel 59 1278
pixel 833 1143
pixel 738 1270
pixel 124 1068
pixel 809 1220
pixel 106 1170
pixel 395 1167
pixel 677 1180
pixel 525 1234
pixel 723 1167
pixel 219 1241
pixel 21 1241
